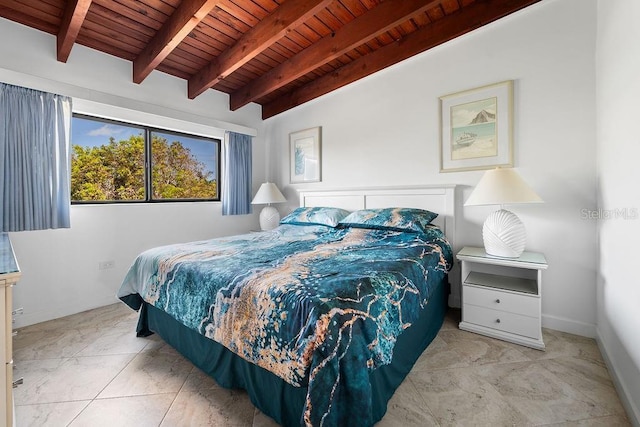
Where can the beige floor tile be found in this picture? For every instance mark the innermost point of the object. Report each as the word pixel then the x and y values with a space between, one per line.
pixel 198 380
pixel 262 420
pixel 457 397
pixel 407 408
pixel 61 380
pixel 35 344
pixel 210 407
pixel 154 342
pixel 67 336
pixel 475 349
pixel 136 411
pixel 590 378
pixel 559 344
pixel 439 355
pixel 128 316
pixel 162 370
pixel 609 421
pixel 461 379
pixel 539 394
pixel 101 317
pixel 119 339
pixel 49 414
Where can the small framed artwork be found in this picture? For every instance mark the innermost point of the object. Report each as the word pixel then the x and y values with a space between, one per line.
pixel 476 128
pixel 305 160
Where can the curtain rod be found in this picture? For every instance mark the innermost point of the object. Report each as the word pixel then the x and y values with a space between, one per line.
pixel 31 81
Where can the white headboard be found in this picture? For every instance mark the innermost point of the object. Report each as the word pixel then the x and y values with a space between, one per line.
pixel 439 199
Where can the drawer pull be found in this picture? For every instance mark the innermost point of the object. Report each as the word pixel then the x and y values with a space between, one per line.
pixel 497 320
pixel 18 382
pixel 498 301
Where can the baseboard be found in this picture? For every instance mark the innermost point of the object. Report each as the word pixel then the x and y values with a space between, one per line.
pixel 568 325
pixel 28 319
pixel 633 412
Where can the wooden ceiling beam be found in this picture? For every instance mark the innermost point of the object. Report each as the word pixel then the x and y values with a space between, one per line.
pixel 366 27
pixel 74 14
pixel 181 22
pixel 272 28
pixel 474 16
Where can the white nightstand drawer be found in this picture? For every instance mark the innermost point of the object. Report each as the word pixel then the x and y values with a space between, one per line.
pixel 502 321
pixel 504 301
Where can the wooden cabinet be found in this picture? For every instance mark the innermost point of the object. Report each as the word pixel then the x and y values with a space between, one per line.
pixel 501 297
pixel 9 275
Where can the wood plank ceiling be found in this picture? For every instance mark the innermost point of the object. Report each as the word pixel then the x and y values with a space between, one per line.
pixel 277 53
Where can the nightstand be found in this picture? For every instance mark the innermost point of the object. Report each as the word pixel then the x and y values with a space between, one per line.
pixel 501 297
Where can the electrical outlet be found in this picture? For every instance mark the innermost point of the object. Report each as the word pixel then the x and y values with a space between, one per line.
pixel 105 265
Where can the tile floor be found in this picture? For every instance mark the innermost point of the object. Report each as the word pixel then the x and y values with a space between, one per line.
pixel 89 369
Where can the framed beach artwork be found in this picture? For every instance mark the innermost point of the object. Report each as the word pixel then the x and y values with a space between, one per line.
pixel 305 155
pixel 476 128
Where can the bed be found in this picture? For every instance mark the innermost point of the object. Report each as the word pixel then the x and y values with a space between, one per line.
pixel 319 320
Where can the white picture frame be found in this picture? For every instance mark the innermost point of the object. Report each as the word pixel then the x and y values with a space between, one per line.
pixel 305 155
pixel 476 128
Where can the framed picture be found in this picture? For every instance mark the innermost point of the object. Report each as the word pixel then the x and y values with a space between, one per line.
pixel 305 155
pixel 476 128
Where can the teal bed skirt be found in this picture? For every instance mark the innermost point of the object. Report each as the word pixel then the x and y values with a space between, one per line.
pixel 277 398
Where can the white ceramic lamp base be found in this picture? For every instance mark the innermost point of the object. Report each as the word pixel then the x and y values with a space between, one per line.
pixel 504 234
pixel 269 218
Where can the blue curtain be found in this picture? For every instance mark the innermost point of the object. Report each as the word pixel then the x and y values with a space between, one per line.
pixel 236 184
pixel 34 159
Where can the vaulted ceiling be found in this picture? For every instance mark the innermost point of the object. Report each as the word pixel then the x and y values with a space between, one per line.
pixel 277 53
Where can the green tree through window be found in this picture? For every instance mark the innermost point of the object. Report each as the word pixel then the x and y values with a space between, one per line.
pixel 178 174
pixel 108 163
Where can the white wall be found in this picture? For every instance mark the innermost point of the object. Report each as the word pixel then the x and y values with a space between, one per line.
pixel 618 148
pixel 60 267
pixel 384 130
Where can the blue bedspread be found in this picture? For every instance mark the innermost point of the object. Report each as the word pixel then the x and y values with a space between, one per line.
pixel 318 307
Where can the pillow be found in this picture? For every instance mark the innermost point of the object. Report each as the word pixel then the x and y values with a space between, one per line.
pixel 397 219
pixel 318 215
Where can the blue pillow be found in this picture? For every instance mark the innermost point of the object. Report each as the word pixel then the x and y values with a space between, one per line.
pixel 396 219
pixel 318 216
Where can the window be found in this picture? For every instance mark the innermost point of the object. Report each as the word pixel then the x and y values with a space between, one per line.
pixel 109 163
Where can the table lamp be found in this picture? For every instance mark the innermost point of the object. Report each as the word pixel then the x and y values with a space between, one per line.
pixel 503 232
pixel 268 193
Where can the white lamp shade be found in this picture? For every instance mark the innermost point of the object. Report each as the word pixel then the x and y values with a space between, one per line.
pixel 503 233
pixel 502 186
pixel 268 193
